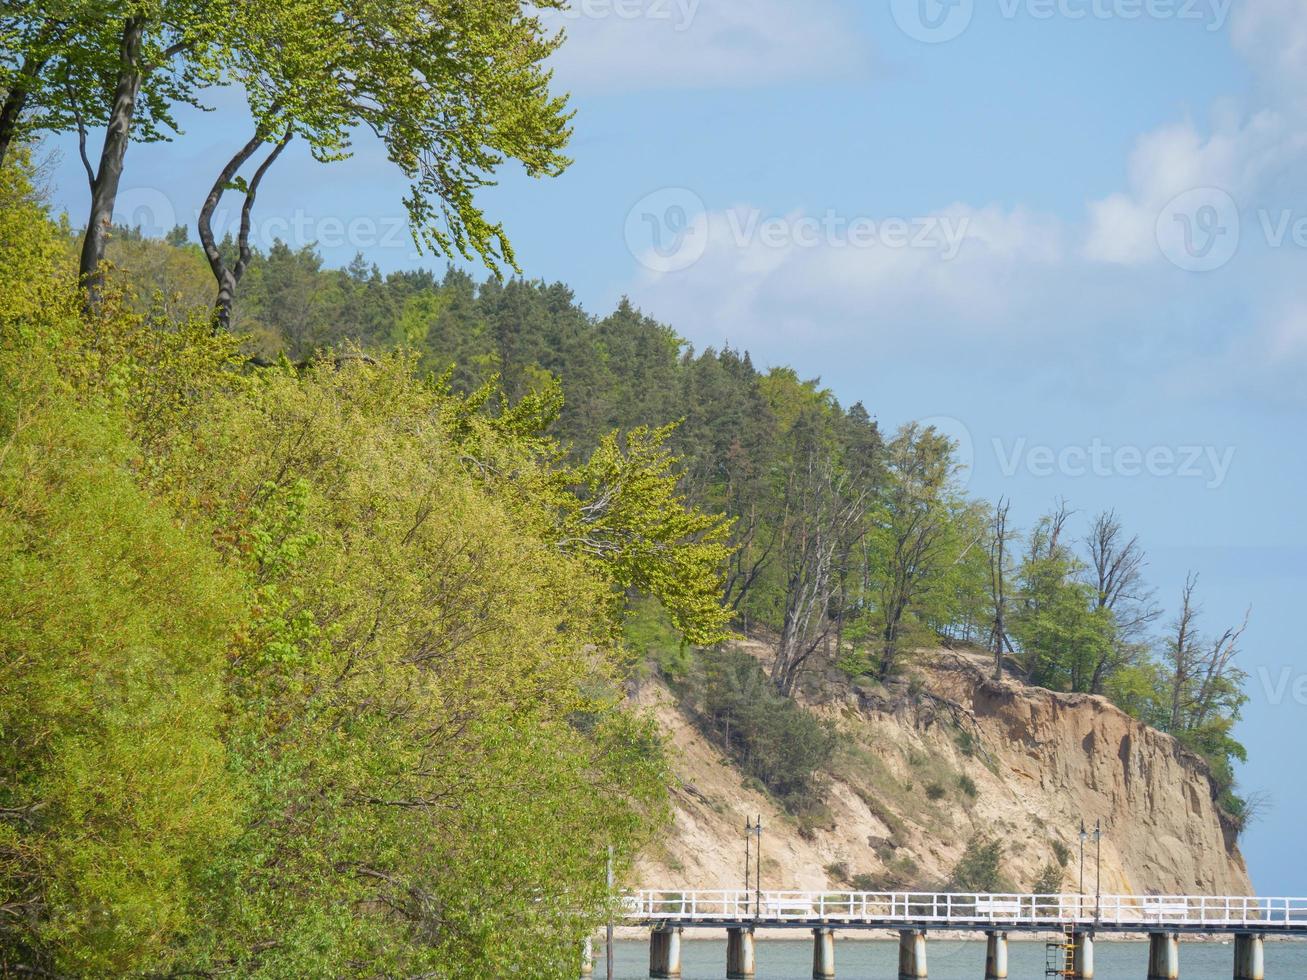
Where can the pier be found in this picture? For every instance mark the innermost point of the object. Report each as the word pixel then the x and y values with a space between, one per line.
pixel 1074 919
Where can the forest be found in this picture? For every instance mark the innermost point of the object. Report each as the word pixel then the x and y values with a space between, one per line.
pixel 321 587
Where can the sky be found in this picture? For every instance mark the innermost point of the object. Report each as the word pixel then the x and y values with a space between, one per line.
pixel 1070 233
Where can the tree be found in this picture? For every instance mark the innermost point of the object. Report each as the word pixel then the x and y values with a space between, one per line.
pixel 999 538
pixel 451 90
pixel 915 540
pixel 824 511
pixel 1060 629
pixel 81 64
pixel 1202 680
pixel 1116 567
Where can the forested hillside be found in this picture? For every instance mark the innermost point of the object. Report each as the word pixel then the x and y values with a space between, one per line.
pixel 853 546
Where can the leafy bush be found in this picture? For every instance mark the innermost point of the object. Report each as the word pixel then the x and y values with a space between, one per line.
pixel 979 869
pixel 1049 881
pixel 304 672
pixel 1062 853
pixel 934 791
pixel 769 736
pixel 968 785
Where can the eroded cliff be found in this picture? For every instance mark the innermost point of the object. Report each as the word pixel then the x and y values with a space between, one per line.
pixel 929 764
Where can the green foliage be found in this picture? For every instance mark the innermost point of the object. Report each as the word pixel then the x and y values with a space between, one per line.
pixel 451 90
pixel 310 670
pixel 968 786
pixel 980 867
pixel 1049 881
pixel 935 791
pixel 1062 853
pixel 771 738
pixel 115 783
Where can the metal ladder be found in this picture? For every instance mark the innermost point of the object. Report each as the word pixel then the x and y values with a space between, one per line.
pixel 1060 957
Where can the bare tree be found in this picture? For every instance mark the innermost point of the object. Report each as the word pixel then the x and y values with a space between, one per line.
pixel 824 517
pixel 1116 565
pixel 1203 677
pixel 1000 535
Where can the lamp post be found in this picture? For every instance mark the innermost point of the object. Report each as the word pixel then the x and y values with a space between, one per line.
pixel 757 868
pixel 1080 903
pixel 1098 868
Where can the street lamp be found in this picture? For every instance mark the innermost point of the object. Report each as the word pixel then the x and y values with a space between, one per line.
pixel 1084 835
pixel 753 829
pixel 1098 867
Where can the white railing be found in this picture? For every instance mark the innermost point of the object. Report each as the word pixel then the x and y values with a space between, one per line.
pixel 941 909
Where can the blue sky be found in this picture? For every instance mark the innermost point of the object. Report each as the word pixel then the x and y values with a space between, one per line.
pixel 1072 232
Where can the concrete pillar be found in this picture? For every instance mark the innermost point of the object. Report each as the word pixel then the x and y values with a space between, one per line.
pixel 823 954
pixel 1249 957
pixel 912 954
pixel 1082 956
pixel 996 956
pixel 1163 956
pixel 740 964
pixel 587 958
pixel 665 953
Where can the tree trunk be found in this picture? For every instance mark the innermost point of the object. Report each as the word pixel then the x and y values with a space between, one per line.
pixel 217 264
pixel 104 186
pixel 15 102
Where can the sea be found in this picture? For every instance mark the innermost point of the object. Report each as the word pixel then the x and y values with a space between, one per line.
pixel 705 959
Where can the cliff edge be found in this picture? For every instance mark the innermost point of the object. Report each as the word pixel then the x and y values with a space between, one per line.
pixel 947 756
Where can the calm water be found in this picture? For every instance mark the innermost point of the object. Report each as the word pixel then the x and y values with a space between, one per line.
pixel 878 960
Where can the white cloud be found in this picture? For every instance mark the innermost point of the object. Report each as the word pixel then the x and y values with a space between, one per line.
pixel 1175 160
pixel 958 265
pixel 615 45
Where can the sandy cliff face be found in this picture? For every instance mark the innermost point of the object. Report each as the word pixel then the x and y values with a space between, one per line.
pixel 927 766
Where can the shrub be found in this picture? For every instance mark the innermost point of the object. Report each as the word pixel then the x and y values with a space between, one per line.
pixel 934 791
pixel 1049 881
pixel 979 868
pixel 769 736
pixel 968 785
pixel 1062 853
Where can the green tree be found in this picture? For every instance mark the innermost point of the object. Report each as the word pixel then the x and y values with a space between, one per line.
pixel 916 541
pixel 452 90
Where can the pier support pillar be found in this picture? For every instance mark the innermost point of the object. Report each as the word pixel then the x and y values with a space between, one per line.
pixel 740 964
pixel 996 956
pixel 587 958
pixel 823 954
pixel 1163 956
pixel 912 954
pixel 1249 957
pixel 665 953
pixel 1082 955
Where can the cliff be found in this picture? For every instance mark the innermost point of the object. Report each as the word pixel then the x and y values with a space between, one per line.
pixel 927 764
